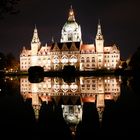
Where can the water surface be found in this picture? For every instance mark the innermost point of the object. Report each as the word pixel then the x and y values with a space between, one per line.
pixel 77 108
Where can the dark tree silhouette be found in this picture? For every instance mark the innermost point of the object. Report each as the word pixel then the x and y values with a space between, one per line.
pixel 12 62
pixel 8 7
pixel 2 61
pixel 124 65
pixel 135 60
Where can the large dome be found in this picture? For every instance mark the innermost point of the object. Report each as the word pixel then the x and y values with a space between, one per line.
pixel 70 26
pixel 71 31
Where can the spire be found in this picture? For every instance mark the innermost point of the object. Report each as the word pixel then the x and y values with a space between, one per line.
pixel 36 109
pixel 100 111
pixel 52 39
pixel 99 32
pixel 35 38
pixel 71 14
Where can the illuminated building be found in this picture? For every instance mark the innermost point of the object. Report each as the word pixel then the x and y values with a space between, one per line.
pixel 70 51
pixel 72 95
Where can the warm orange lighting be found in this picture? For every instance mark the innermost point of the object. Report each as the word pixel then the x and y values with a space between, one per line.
pixel 88 99
pixel 71 13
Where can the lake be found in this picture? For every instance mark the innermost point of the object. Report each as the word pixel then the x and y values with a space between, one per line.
pixel 69 108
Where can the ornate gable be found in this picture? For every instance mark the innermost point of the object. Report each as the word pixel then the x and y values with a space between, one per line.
pixel 55 48
pixel 25 52
pixel 64 47
pixel 114 49
pixel 73 47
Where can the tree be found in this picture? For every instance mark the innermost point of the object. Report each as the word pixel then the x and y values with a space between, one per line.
pixel 135 60
pixel 2 61
pixel 124 65
pixel 8 7
pixel 11 62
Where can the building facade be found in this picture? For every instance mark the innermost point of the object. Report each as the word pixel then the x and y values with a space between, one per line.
pixel 70 51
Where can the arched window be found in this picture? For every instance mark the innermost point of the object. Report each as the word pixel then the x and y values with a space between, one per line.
pixel 87 59
pixel 55 59
pixel 82 59
pixel 73 59
pixel 64 59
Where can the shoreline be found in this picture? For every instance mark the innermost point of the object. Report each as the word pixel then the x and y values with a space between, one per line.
pixel 118 72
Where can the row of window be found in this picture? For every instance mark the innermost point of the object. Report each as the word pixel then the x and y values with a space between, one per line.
pixel 99 81
pixel 106 89
pixel 99 85
pixel 95 65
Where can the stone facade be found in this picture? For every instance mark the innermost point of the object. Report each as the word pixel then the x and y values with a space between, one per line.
pixel 70 51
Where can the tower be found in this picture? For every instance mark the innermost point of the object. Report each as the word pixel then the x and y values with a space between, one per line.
pixel 99 40
pixel 100 105
pixel 35 43
pixel 71 31
pixel 36 104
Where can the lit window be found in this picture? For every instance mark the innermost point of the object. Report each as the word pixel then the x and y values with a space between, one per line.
pixel 87 59
pixel 82 59
pixel 73 59
pixel 64 59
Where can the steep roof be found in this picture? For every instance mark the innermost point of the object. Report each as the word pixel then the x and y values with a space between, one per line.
pixel 68 46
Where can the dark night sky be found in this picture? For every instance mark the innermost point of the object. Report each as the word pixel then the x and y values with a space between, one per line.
pixel 120 21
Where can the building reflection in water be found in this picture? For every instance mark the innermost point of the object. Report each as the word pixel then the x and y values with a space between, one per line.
pixel 72 95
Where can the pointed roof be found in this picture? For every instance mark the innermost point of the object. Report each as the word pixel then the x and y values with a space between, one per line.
pixel 64 47
pixel 100 113
pixel 52 39
pixel 36 109
pixel 99 31
pixel 35 38
pixel 71 16
pixel 87 48
pixel 73 47
pixel 55 47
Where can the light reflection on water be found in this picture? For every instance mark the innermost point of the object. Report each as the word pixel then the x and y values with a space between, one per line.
pixel 81 106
